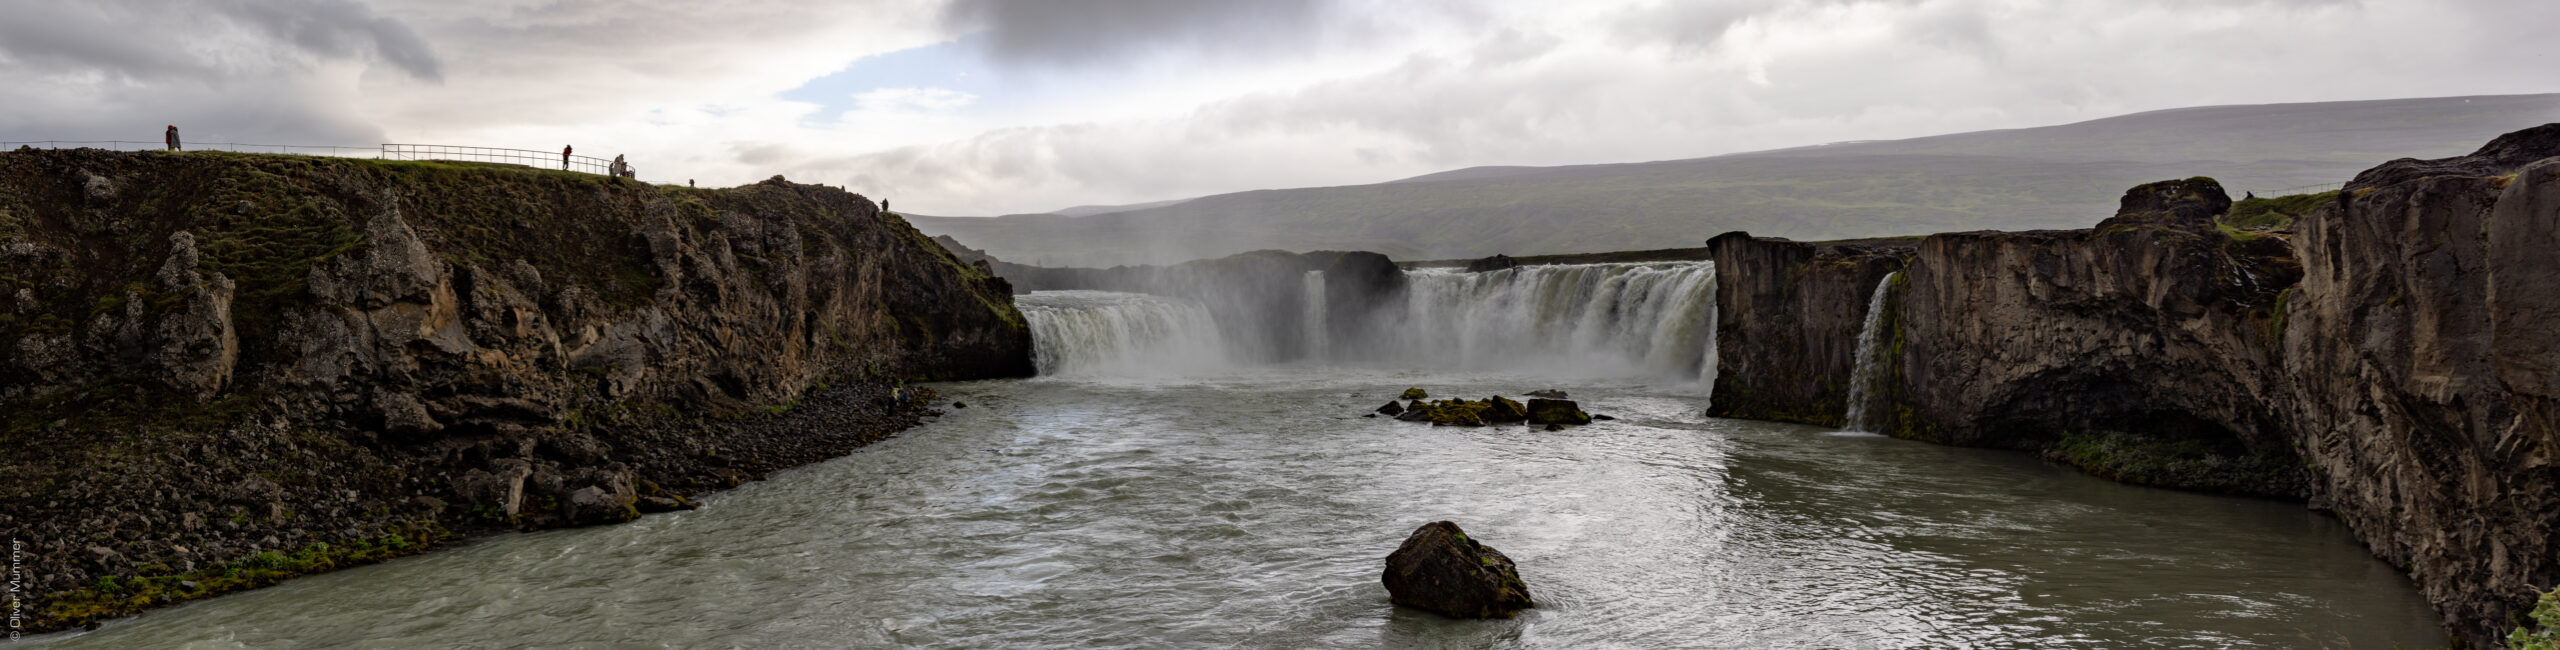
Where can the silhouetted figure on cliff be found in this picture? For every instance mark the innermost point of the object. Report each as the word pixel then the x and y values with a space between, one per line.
pixel 564 157
pixel 172 138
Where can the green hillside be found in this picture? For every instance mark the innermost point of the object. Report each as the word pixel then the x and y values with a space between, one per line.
pixel 2064 176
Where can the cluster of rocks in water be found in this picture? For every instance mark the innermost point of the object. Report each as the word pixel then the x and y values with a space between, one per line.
pixel 1546 408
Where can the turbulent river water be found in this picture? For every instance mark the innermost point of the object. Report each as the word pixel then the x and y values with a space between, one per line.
pixel 1253 507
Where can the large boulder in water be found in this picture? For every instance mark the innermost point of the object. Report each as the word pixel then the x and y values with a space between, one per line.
pixel 1557 411
pixel 1442 570
pixel 1392 409
pixel 1414 394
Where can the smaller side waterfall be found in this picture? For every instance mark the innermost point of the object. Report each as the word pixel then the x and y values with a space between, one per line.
pixel 1107 333
pixel 1314 319
pixel 1862 378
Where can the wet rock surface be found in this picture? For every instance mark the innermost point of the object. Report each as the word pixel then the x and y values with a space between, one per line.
pixel 1440 569
pixel 1556 411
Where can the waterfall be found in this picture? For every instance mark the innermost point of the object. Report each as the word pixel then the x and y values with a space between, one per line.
pixel 1655 319
pixel 1862 378
pixel 1107 333
pixel 1314 322
pixel 1592 321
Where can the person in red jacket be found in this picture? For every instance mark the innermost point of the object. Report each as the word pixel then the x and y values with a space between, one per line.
pixel 172 137
pixel 564 157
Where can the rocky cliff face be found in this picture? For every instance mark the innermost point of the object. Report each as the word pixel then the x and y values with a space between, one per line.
pixel 1787 323
pixel 213 356
pixel 2393 360
pixel 2423 352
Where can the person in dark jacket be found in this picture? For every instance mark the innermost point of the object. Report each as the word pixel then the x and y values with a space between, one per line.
pixel 172 138
pixel 564 157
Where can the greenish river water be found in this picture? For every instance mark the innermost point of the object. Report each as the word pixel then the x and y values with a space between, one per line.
pixel 1254 509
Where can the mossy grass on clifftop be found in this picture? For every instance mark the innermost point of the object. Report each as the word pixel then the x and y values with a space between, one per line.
pixel 2274 213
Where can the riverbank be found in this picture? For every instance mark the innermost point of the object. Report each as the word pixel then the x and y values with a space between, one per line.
pixel 347 505
pixel 228 369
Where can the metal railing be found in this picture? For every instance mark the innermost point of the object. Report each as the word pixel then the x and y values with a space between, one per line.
pixel 137 145
pixel 525 157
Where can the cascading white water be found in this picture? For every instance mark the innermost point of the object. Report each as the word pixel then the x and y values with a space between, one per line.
pixel 1108 333
pixel 1588 319
pixel 1315 323
pixel 1862 377
pixel 1578 320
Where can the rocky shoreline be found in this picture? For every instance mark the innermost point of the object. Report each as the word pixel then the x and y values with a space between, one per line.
pixel 227 369
pixel 370 502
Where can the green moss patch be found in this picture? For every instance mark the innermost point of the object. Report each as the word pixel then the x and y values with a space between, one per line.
pixel 2203 464
pixel 2273 213
pixel 114 596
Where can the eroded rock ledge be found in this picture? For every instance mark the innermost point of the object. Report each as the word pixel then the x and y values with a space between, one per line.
pixel 257 366
pixel 2392 357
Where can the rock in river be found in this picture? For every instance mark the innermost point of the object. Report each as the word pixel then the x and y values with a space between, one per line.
pixel 1391 409
pixel 1442 570
pixel 1556 411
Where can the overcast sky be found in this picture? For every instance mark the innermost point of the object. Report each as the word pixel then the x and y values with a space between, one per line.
pixel 981 107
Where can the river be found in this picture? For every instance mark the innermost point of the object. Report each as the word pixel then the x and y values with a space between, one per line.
pixel 1253 507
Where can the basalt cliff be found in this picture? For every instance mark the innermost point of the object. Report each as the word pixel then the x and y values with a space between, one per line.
pixel 222 370
pixel 2392 355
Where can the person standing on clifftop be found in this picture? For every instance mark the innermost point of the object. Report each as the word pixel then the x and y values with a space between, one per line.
pixel 172 138
pixel 884 204
pixel 564 157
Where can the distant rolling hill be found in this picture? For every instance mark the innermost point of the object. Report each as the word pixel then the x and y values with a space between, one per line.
pixel 2064 176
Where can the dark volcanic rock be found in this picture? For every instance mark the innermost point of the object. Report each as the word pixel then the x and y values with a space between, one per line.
pixel 1787 321
pixel 1391 409
pixel 2392 360
pixel 1414 394
pixel 1548 393
pixel 2194 201
pixel 1495 263
pixel 1556 411
pixel 247 353
pixel 2423 347
pixel 2505 154
pixel 1501 410
pixel 1440 569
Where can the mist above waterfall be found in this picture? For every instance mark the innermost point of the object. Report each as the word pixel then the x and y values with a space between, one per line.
pixel 1649 321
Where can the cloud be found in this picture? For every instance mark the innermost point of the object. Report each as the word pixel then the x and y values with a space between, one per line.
pixel 912 100
pixel 1069 33
pixel 1538 85
pixel 144 40
pixel 276 72
pixel 1119 101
